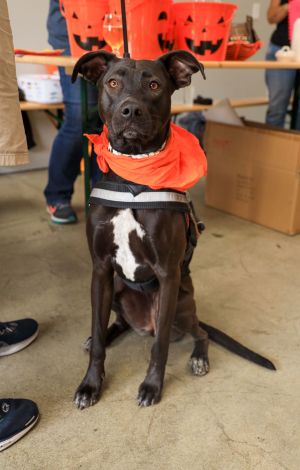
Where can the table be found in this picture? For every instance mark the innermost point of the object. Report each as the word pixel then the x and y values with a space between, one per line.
pixel 69 62
pixel 235 103
pixel 54 111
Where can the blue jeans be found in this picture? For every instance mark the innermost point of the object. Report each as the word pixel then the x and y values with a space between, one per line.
pixel 280 83
pixel 66 153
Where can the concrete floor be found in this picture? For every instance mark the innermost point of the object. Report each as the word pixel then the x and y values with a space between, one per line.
pixel 238 417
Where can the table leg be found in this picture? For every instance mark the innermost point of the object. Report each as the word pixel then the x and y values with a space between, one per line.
pixel 87 163
pixel 295 107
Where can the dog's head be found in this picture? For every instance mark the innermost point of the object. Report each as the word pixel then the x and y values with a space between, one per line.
pixel 135 95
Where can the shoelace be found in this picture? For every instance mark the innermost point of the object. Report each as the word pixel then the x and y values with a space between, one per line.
pixel 7 328
pixel 5 407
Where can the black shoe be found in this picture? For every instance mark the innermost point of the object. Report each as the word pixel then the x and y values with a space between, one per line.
pixel 17 417
pixel 62 213
pixel 16 335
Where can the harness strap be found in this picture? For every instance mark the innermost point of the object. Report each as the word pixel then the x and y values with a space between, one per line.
pixel 135 196
pixel 138 197
pixel 151 284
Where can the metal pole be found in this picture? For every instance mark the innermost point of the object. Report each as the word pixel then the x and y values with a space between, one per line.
pixel 124 26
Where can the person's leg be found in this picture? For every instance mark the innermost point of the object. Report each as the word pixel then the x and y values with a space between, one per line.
pixel 280 85
pixel 66 154
pixel 13 146
pixel 17 417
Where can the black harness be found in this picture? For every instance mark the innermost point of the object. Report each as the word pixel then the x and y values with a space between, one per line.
pixel 135 196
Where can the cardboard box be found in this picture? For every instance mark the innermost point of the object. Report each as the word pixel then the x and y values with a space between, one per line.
pixel 254 173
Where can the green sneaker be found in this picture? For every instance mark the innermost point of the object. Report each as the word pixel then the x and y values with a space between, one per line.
pixel 62 213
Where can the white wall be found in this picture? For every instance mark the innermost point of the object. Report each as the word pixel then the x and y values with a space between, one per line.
pixel 28 21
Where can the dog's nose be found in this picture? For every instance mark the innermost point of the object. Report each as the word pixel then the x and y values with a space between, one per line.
pixel 131 110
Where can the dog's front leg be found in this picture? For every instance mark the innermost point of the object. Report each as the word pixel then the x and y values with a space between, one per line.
pixel 88 392
pixel 150 390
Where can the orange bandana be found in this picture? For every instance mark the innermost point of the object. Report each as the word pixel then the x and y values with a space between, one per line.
pixel 178 166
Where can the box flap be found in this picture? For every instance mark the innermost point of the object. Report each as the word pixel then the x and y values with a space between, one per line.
pixel 268 147
pixel 254 173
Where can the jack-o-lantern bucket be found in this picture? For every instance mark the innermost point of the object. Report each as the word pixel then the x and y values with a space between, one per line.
pixel 150 27
pixel 203 28
pixel 84 20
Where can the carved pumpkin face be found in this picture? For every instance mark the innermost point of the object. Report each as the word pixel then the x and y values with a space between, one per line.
pixel 85 25
pixel 165 36
pixel 204 39
pixel 89 34
pixel 203 28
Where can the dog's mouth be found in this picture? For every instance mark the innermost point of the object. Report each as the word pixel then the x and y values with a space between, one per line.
pixel 130 134
pixel 131 131
pixel 131 140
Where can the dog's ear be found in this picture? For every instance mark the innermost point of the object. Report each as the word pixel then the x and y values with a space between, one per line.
pixel 92 65
pixel 180 66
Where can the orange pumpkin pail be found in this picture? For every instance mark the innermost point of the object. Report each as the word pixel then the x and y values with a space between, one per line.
pixel 203 28
pixel 84 20
pixel 150 27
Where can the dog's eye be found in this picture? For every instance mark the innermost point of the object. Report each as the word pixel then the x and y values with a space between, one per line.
pixel 113 83
pixel 154 85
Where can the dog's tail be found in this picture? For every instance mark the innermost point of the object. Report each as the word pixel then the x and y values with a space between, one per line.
pixel 234 346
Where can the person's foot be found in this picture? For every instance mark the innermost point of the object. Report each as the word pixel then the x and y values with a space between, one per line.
pixel 62 213
pixel 16 335
pixel 17 417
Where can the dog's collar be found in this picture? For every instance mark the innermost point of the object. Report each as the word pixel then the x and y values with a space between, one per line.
pixel 142 155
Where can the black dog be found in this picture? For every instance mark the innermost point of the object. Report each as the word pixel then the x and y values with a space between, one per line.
pixel 132 246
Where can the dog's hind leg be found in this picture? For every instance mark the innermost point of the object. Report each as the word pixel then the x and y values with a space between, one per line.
pixel 186 320
pixel 199 362
pixel 116 329
pixel 119 326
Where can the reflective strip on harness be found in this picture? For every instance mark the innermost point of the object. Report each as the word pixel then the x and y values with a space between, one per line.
pixel 134 196
pixel 157 196
pixel 131 196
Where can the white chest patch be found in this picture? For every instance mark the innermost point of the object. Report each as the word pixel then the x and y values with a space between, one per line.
pixel 124 224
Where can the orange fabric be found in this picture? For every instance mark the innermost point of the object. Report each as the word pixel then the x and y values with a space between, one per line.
pixel 178 166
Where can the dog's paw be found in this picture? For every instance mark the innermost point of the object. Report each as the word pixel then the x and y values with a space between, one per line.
pixel 86 395
pixel 199 366
pixel 148 394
